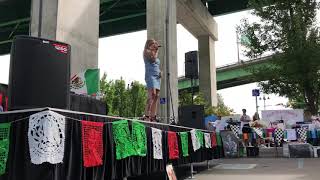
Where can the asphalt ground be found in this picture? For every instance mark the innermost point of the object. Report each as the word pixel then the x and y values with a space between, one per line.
pixel 265 169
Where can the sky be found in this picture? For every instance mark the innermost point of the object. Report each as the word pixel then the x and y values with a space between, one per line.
pixel 121 56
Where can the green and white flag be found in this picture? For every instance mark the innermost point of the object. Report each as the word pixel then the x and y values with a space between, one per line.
pixel 86 82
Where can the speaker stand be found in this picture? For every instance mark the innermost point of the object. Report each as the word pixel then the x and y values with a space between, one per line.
pixel 191 172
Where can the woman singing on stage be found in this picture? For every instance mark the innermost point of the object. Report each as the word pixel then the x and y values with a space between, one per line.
pixel 152 78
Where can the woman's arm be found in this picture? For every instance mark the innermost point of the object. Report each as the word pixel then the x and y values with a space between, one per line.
pixel 151 55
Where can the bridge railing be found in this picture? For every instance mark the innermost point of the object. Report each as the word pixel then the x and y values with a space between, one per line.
pixel 236 64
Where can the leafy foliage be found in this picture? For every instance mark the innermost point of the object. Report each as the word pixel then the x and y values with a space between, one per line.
pixel 287 30
pixel 129 100
pixel 122 100
pixel 296 103
pixel 185 98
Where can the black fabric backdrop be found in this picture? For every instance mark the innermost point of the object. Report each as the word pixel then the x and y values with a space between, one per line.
pixel 19 166
pixel 87 104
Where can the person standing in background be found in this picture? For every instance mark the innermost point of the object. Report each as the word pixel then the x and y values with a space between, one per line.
pixel 245 119
pixel 152 78
pixel 219 125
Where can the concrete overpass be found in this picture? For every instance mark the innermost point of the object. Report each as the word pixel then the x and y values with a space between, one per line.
pixel 80 24
pixel 229 75
pixel 116 17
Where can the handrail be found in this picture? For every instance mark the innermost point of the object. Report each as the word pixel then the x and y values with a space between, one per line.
pixel 242 62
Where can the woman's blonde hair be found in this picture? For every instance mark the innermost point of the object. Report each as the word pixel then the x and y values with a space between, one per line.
pixel 148 43
pixel 256 116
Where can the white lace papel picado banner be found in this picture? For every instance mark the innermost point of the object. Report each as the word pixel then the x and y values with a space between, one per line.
pixel 195 142
pixel 207 140
pixel 46 137
pixel 157 143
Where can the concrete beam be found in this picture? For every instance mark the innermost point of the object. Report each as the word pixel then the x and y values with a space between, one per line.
pixel 207 69
pixel 165 31
pixel 195 17
pixel 60 20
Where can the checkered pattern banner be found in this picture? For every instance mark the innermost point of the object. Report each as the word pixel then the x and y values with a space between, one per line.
pixel 236 130
pixel 279 135
pixel 302 134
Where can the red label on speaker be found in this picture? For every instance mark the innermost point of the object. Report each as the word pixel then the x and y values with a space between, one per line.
pixel 61 48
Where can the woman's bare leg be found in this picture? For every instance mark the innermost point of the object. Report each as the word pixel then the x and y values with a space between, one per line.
pixel 155 103
pixel 149 103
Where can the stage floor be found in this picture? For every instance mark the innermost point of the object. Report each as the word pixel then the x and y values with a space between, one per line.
pixel 264 169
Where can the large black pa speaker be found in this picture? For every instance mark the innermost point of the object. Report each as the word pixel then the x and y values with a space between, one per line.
pixel 39 73
pixel 191 65
pixel 192 116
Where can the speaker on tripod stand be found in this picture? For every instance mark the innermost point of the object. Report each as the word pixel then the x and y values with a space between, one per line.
pixel 191 68
pixel 191 65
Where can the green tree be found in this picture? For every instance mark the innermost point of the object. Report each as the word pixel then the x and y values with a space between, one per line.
pixel 185 98
pixel 221 109
pixel 287 30
pixel 119 100
pixel 107 88
pixel 123 100
pixel 296 103
pixel 137 98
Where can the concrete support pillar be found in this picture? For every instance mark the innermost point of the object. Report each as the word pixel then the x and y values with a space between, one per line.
pixel 71 21
pixel 195 17
pixel 207 69
pixel 162 26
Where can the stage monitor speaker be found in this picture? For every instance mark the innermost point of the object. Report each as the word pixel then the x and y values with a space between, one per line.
pixel 192 116
pixel 191 65
pixel 39 73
